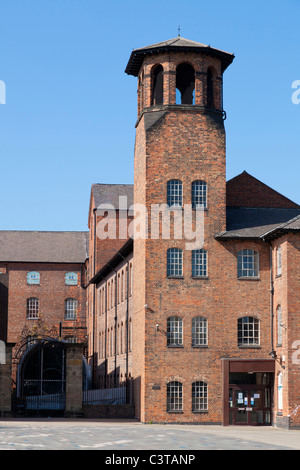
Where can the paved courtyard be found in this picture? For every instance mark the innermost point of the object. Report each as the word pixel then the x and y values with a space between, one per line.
pixel 62 434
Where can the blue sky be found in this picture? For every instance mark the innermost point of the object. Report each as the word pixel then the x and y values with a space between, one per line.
pixel 70 110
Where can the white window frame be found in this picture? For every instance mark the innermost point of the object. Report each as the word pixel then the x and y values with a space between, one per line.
pixel 199 396
pixel 174 331
pixel 199 331
pixel 174 262
pixel 174 193
pixel 33 307
pixel 174 397
pixel 248 263
pixel 71 306
pixel 248 331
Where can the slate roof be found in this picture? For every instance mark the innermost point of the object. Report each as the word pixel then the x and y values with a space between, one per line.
pixel 110 193
pixel 175 45
pixel 257 222
pixel 42 247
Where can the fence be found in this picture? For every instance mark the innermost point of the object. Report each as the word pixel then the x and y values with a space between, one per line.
pixel 107 396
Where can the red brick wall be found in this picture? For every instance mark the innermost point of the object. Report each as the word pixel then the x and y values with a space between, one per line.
pixel 188 143
pixel 286 295
pixel 51 292
pixel 111 345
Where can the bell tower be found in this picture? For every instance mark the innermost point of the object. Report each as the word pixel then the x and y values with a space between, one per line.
pixel 180 159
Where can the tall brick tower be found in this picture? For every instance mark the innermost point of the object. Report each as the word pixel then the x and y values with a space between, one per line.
pixel 179 160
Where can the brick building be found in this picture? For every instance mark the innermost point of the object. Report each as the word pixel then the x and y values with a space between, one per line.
pixel 208 332
pixel 211 334
pixel 43 301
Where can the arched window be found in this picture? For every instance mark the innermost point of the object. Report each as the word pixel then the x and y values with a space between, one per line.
pixel 33 277
pixel 279 258
pixel 32 308
pixel 174 331
pixel 70 309
pixel 199 396
pixel 185 84
pixel 199 263
pixel 71 279
pixel 199 194
pixel 174 262
pixel 279 325
pixel 199 331
pixel 248 331
pixel 248 263
pixel 210 88
pixel 174 193
pixel 157 85
pixel 174 396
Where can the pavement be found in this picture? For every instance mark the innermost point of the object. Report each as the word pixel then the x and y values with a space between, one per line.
pixel 129 435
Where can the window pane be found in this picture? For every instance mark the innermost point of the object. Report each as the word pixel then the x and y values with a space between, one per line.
pixel 199 193
pixel 174 193
pixel 279 261
pixel 174 331
pixel 174 262
pixel 199 396
pixel 248 331
pixel 199 331
pixel 70 309
pixel 248 264
pixel 199 263
pixel 32 308
pixel 174 396
pixel 279 325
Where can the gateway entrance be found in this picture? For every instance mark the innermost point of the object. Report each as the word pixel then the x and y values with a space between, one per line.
pixel 250 399
pixel 248 386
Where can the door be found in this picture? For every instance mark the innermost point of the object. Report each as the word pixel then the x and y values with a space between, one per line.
pixel 250 405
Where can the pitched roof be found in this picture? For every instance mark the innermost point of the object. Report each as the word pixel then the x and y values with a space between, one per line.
pixel 246 191
pixel 175 44
pixel 255 210
pixel 110 194
pixel 43 247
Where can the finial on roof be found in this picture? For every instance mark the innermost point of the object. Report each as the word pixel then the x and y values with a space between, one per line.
pixel 179 30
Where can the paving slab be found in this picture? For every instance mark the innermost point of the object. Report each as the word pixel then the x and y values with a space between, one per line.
pixel 125 435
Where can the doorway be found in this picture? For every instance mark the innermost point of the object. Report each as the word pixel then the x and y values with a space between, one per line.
pixel 250 399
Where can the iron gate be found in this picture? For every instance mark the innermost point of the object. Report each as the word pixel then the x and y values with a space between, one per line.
pixel 41 380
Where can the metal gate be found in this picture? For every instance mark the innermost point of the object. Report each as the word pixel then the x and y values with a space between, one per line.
pixel 41 379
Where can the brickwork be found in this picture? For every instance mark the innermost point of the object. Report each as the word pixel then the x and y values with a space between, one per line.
pixel 51 292
pixel 286 296
pixel 113 345
pixel 188 143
